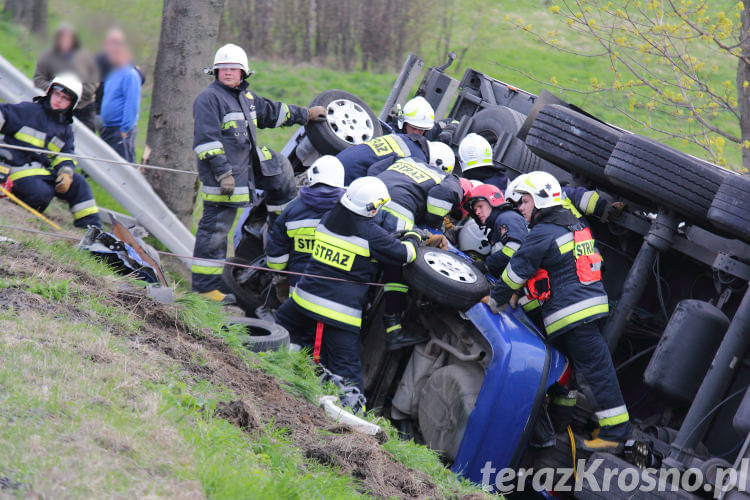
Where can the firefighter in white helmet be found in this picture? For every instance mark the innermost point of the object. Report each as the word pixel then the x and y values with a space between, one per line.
pixel 408 142
pixel 292 237
pixel 231 161
pixel 326 315
pixel 47 123
pixel 475 154
pixel 559 265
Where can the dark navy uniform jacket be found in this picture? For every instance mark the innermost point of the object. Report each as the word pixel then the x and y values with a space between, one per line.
pixel 508 230
pixel 550 245
pixel 33 124
pixel 351 247
pixel 360 157
pixel 224 137
pixel 291 240
pixel 420 194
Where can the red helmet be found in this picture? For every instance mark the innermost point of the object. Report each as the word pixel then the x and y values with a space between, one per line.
pixel 485 192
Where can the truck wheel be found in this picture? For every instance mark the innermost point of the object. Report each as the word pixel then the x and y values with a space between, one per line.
pixel 241 281
pixel 446 278
pixel 350 121
pixel 730 209
pixel 664 176
pixel 573 140
pixel 261 335
pixel 493 123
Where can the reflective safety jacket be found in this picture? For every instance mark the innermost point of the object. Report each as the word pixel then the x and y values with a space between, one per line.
pixel 581 201
pixel 420 194
pixel 225 139
pixel 292 238
pixel 508 230
pixel 360 157
pixel 351 247
pixel 550 245
pixel 33 124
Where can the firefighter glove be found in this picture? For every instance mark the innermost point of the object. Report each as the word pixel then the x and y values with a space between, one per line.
pixel 437 241
pixel 316 114
pixel 226 183
pixel 64 180
pixel 448 223
pixel 612 211
pixel 493 305
pixel 514 300
pixel 412 236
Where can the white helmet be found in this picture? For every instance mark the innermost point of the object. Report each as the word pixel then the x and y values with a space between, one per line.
pixel 365 196
pixel 69 82
pixel 326 170
pixel 543 187
pixel 474 151
pixel 473 238
pixel 441 156
pixel 418 113
pixel 231 56
pixel 510 192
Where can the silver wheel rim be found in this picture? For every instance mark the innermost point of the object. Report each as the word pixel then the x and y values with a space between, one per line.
pixel 349 121
pixel 451 267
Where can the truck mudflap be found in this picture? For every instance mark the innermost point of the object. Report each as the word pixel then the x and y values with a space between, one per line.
pixel 522 368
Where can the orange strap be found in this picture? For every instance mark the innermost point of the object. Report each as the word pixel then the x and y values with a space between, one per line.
pixel 318 341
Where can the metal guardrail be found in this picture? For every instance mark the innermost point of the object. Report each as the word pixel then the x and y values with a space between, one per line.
pixel 126 184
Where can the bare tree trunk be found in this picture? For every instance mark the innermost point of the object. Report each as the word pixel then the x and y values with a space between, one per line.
pixel 30 13
pixel 310 35
pixel 188 35
pixel 743 88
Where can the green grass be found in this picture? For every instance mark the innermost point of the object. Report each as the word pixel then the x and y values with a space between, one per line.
pixel 124 419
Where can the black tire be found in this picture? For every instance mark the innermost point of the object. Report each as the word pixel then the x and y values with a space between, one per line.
pixel 323 134
pixel 240 281
pixel 574 141
pixel 261 335
pixel 423 277
pixel 664 176
pixel 493 123
pixel 730 209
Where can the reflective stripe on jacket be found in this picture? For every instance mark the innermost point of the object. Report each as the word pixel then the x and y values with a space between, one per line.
pixel 360 157
pixel 29 124
pixel 549 245
pixel 225 122
pixel 351 247
pixel 420 194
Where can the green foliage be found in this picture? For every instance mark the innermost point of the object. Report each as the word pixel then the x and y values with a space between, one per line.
pixel 55 290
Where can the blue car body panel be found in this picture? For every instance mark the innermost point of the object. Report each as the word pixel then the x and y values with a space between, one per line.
pixel 523 366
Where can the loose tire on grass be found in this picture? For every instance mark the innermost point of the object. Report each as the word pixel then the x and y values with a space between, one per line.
pixel 446 278
pixel 493 123
pixel 349 121
pixel 574 141
pixel 261 335
pixel 240 280
pixel 730 209
pixel 663 176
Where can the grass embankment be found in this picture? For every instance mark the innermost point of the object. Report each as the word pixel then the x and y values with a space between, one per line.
pixel 104 392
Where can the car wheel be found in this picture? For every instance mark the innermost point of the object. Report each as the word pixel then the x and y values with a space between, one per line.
pixel 244 281
pixel 494 124
pixel 730 209
pixel 574 141
pixel 446 278
pixel 261 335
pixel 664 176
pixel 349 121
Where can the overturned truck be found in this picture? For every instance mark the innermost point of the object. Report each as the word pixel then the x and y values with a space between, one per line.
pixel 677 266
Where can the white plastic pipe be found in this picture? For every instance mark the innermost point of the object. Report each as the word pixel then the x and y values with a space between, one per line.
pixel 340 415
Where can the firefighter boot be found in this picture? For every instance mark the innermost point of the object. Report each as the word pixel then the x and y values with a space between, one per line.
pixel 396 337
pixel 226 299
